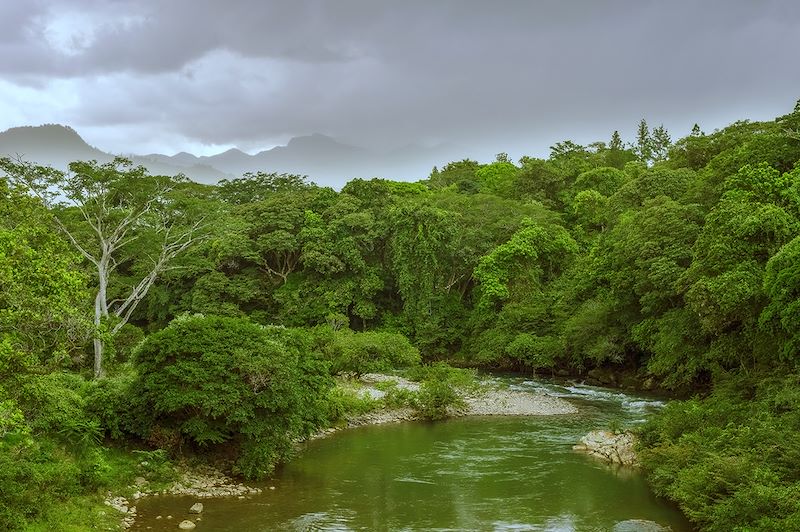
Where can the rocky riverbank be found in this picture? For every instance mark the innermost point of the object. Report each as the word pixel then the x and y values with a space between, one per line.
pixel 489 400
pixel 611 447
pixel 201 482
pixel 486 400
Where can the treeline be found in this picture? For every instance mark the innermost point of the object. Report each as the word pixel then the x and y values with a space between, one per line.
pixel 677 262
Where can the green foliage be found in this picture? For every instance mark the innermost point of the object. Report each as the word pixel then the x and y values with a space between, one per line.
pixel 441 390
pixel 259 186
pixel 51 452
pixel 679 260
pixel 344 402
pixel 497 178
pixel 229 382
pixel 604 180
pixel 782 286
pixel 535 252
pixel 396 396
pixel 459 173
pixel 41 285
pixel 534 351
pixel 730 460
pixel 366 352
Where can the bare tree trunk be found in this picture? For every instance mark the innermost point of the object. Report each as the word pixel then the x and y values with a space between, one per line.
pixel 98 341
pixel 101 211
pixel 100 312
pixel 98 359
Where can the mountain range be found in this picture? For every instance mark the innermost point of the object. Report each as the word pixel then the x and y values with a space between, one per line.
pixel 325 160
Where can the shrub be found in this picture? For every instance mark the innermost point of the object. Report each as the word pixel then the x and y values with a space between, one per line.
pixel 366 352
pixel 441 390
pixel 110 402
pixel 730 460
pixel 396 397
pixel 229 383
pixel 343 402
pixel 50 447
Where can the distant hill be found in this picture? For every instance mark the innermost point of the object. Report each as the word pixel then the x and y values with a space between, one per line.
pixel 324 159
pixel 56 145
pixel 51 144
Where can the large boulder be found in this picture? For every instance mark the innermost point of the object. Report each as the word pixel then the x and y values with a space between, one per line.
pixel 610 446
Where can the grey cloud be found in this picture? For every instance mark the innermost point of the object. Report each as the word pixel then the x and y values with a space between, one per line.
pixel 473 72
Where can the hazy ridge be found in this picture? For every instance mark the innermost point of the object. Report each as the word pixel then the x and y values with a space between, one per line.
pixel 324 159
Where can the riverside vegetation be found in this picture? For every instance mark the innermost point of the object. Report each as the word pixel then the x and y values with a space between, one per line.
pixel 146 318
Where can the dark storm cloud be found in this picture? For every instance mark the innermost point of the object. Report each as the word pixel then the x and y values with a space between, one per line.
pixel 482 73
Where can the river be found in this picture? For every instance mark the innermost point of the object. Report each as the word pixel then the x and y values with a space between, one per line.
pixel 474 473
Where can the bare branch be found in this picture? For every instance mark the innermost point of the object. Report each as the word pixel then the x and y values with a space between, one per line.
pixel 170 248
pixel 75 242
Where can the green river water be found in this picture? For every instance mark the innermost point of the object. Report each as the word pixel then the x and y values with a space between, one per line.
pixel 475 473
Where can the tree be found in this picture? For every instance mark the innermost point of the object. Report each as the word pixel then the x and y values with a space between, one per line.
pixel 420 243
pixel 782 285
pixel 497 178
pixel 644 143
pixel 41 285
pixel 258 186
pixel 461 173
pixel 616 155
pixel 104 209
pixel 502 157
pixel 534 251
pixel 660 142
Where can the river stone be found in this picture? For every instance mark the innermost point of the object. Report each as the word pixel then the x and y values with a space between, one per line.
pixel 609 446
pixel 186 525
pixel 640 525
pixel 196 508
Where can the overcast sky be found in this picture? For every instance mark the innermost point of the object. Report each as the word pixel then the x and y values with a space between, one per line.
pixel 202 76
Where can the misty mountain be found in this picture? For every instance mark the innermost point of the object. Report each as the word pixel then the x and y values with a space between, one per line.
pixel 56 145
pixel 324 159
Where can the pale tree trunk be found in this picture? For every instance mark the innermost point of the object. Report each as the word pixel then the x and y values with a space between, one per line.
pixel 98 208
pixel 99 373
pixel 100 312
pixel 172 246
pixel 110 242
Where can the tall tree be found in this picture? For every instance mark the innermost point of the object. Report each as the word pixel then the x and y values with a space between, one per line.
pixel 644 143
pixel 114 214
pixel 615 153
pixel 660 143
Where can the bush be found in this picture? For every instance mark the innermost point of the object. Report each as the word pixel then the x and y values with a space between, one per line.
pixel 228 383
pixel 396 397
pixel 343 402
pixel 441 390
pixel 109 401
pixel 730 460
pixel 366 352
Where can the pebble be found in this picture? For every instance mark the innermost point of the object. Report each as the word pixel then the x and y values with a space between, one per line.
pixel 186 525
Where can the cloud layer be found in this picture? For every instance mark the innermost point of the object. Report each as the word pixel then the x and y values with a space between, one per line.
pixel 138 76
